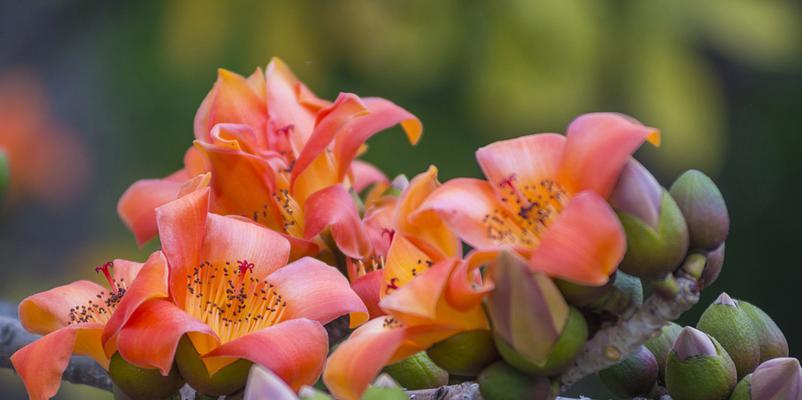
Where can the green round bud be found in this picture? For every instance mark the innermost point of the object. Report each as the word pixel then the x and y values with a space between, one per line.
pixel 568 347
pixel 743 389
pixel 466 353
pixel 732 327
pixel 634 376
pixel 622 292
pixel 713 266
pixel 770 338
pixel 417 372
pixel 704 209
pixel 142 383
pixel 500 381
pixel 661 345
pixel 698 368
pixel 383 393
pixel 653 252
pixel 227 380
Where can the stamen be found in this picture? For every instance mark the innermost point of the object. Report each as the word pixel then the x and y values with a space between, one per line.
pixel 106 270
pixel 244 266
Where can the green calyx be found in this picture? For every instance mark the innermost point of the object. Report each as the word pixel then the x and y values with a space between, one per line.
pixel 654 252
pixel 227 380
pixel 384 393
pixel 771 339
pixel 562 355
pixel 704 209
pixel 732 327
pixel 634 376
pixel 135 383
pixel 417 372
pixel 743 390
pixel 622 292
pixel 500 381
pixel 705 377
pixel 466 353
pixel 661 345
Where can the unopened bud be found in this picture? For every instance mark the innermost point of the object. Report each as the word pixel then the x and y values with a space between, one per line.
pixel 699 368
pixel 621 293
pixel 264 384
pixel 417 372
pixel 770 338
pixel 661 345
pixel 704 209
pixel 634 376
pixel 727 322
pixel 137 383
pixel 715 261
pixel 638 194
pixel 227 380
pixel 466 353
pixel 500 381
pixel 780 378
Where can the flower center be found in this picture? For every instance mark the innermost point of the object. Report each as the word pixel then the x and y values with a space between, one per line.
pixel 529 210
pixel 100 309
pixel 230 300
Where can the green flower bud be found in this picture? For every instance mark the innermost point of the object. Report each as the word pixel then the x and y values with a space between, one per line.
pixel 704 209
pixel 698 368
pixel 562 354
pixel 227 380
pixel 621 293
pixel 466 353
pixel 715 261
pixel 5 176
pixel 661 345
pixel 770 338
pixel 743 389
pixel 397 186
pixel 417 372
pixel 141 383
pixel 780 378
pixel 732 327
pixel 655 251
pixel 634 376
pixel 500 381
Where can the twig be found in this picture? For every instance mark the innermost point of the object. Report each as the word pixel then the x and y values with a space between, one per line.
pixel 611 344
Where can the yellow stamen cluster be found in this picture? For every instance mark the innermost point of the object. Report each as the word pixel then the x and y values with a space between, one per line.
pixel 100 309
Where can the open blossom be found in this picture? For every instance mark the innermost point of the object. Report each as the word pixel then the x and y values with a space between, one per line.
pixel 72 318
pixel 233 296
pixel 271 145
pixel 545 197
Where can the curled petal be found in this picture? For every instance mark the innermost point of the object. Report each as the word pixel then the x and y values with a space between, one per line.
pixel 150 338
pixel 233 239
pixel 366 174
pixel 137 206
pixel 48 311
pixel 584 244
pixel 334 207
pixel 466 287
pixel 598 147
pixel 295 350
pixel 315 291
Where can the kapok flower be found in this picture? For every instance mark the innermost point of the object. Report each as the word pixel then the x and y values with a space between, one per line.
pixel 545 197
pixel 233 296
pixel 271 144
pixel 426 302
pixel 389 217
pixel 72 317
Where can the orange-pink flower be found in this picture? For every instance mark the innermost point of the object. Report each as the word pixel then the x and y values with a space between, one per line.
pixel 272 146
pixel 545 197
pixel 235 297
pixel 72 318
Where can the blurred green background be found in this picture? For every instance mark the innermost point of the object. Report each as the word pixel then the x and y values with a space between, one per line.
pixel 721 78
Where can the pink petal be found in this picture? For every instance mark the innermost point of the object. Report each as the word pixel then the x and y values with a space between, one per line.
pixel 335 208
pixel 137 206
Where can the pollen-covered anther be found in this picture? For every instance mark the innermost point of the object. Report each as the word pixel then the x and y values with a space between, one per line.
pixel 100 309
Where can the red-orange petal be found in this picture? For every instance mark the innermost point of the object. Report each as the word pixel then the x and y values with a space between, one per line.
pixel 419 296
pixel 48 311
pixel 295 350
pixel 584 244
pixel 366 174
pixel 315 291
pixel 150 337
pixel 335 208
pixel 286 106
pixel 368 287
pixel 137 206
pixel 466 287
pixel 598 147
pixel 231 100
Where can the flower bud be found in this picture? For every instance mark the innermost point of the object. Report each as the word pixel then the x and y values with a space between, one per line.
pixel 634 376
pixel 466 353
pixel 657 237
pixel 621 293
pixel 417 372
pixel 698 368
pixel 780 378
pixel 264 384
pixel 140 383
pixel 534 328
pixel 5 176
pixel 661 345
pixel 732 327
pixel 500 381
pixel 770 338
pixel 704 209
pixel 227 380
pixel 715 261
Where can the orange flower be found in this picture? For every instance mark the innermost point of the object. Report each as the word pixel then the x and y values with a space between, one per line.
pixel 72 317
pixel 272 146
pixel 47 162
pixel 545 197
pixel 234 296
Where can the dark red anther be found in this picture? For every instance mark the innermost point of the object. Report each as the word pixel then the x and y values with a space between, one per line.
pixel 106 270
pixel 244 266
pixel 391 286
pixel 509 182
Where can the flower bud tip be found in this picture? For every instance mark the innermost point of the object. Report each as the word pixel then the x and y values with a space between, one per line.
pixel 692 342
